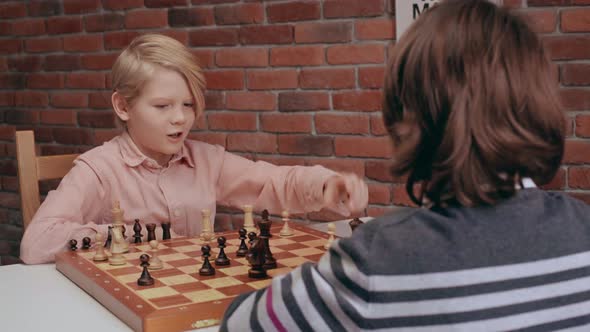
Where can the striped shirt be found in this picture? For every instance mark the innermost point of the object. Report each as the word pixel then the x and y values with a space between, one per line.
pixel 523 264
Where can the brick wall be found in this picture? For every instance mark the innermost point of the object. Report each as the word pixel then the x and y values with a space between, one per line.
pixel 290 82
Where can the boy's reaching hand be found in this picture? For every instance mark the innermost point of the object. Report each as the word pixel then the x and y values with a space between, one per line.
pixel 346 194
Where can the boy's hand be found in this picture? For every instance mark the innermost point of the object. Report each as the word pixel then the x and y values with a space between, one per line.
pixel 346 194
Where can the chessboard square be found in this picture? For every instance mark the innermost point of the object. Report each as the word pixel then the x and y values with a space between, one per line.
pixel 194 254
pixel 143 247
pixel 280 241
pixel 282 255
pixel 167 271
pixel 236 270
pixel 186 249
pixel 233 242
pixel 107 267
pixel 236 289
pixel 132 256
pixel 222 282
pixel 181 243
pixel 169 301
pixel 173 257
pixel 306 251
pixel 205 295
pixel 293 262
pixel 157 292
pixel 165 251
pixel 241 260
pixel 182 262
pixel 279 271
pixel 87 254
pixel 316 243
pixel 303 238
pixel 289 247
pixel 125 270
pixel 191 287
pixel 260 283
pixel 129 278
pixel 134 286
pixel 177 280
pixel 190 269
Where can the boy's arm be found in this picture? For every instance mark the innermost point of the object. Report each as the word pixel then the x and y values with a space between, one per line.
pixel 65 215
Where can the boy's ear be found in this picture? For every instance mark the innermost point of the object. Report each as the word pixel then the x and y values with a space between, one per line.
pixel 120 106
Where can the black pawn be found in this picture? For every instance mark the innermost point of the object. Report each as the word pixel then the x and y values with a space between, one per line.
pixel 264 226
pixel 86 243
pixel 255 257
pixel 166 231
pixel 221 259
pixel 107 243
pixel 73 244
pixel 354 223
pixel 251 238
pixel 151 229
pixel 243 249
pixel 207 269
pixel 145 279
pixel 137 231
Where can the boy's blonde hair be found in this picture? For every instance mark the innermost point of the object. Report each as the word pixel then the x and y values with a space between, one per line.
pixel 136 63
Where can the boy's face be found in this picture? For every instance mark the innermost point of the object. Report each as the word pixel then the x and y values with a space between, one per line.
pixel 161 117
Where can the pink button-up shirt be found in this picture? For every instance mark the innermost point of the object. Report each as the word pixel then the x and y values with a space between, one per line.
pixel 198 177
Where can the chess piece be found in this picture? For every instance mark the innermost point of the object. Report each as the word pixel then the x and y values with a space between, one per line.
pixel 166 230
pixel 207 269
pixel 331 231
pixel 249 218
pixel 155 262
pixel 206 233
pixel 354 223
pixel 100 255
pixel 73 245
pixel 255 257
pixel 86 243
pixel 107 244
pixel 119 245
pixel 221 259
pixel 151 229
pixel 243 249
pixel 285 231
pixel 145 279
pixel 251 237
pixel 137 231
pixel 264 225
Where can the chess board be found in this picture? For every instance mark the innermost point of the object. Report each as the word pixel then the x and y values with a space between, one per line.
pixel 181 299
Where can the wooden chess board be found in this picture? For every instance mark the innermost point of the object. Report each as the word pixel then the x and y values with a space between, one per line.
pixel 181 299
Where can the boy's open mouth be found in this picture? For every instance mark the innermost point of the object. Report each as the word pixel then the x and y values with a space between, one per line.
pixel 176 135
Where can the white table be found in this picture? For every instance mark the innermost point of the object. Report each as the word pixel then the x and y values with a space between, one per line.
pixel 40 298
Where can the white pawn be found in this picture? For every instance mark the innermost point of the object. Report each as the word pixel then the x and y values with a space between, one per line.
pixel 206 232
pixel 331 231
pixel 100 255
pixel 249 219
pixel 155 262
pixel 285 231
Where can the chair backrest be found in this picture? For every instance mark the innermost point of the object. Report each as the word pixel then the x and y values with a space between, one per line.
pixel 33 168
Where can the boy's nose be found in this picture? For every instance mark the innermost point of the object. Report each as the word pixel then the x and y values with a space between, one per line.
pixel 178 115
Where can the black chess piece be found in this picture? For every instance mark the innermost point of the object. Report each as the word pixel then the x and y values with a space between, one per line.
pixel 137 231
pixel 221 259
pixel 151 229
pixel 145 279
pixel 166 230
pixel 255 257
pixel 207 269
pixel 107 243
pixel 86 243
pixel 251 237
pixel 73 245
pixel 354 223
pixel 264 226
pixel 243 249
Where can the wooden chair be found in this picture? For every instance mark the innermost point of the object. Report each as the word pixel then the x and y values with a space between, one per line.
pixel 33 168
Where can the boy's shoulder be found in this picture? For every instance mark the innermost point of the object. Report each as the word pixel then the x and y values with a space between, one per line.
pixel 102 152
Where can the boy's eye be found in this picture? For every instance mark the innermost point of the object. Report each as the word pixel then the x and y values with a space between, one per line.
pixel 188 105
pixel 162 106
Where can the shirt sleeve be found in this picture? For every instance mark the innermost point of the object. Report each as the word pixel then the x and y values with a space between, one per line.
pixel 297 189
pixel 69 212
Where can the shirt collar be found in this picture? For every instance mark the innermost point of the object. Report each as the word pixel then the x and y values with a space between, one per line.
pixel 133 157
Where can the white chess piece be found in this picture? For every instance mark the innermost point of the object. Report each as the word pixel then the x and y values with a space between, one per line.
pixel 285 231
pixel 206 233
pixel 249 219
pixel 155 262
pixel 331 231
pixel 119 245
pixel 100 254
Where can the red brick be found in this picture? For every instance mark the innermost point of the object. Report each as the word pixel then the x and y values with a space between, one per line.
pixel 214 37
pixel 232 121
pixel 579 177
pixel 98 61
pixel 58 117
pixel 211 138
pixel 371 77
pixel 583 125
pixel 378 28
pixel 575 74
pixel 88 80
pixel 122 4
pixel 7 132
pixel 26 117
pixel 143 19
pixel 200 123
pixel 303 101
pixel 25 63
pixel 379 170
pixel 568 47
pixel 401 197
pixel 327 78
pixel 246 13
pixel 34 27
pixel 225 79
pixel 13 10
pixel 272 79
pixel 119 39
pixel 379 210
pixel 377 125
pixel 43 45
pixel 9 200
pixel 12 81
pixel 165 3
pixel 575 20
pixel 306 145
pixel 251 101
pixel 44 8
pixel 104 22
pixel 44 135
pixel 352 8
pixel 342 124
pixel 379 193
pixel 7 98
pixel 252 142
pixel 369 100
pixel 582 196
pixel 81 6
pixel 575 99
pixel 270 34
pixel 214 101
pixel 297 56
pixel 286 123
pixel 94 119
pixel 62 62
pixel 69 99
pixel 3 64
pixel 102 135
pixel 293 11
pixel 557 2
pixel 45 81
pixel 74 136
pixel 340 165
pixel 242 57
pixel 10 183
pixel 576 152
pixel 59 25
pixel 181 17
pixel 99 99
pixel 282 161
pixel 558 181
pixel 357 146
pixel 204 2
pixel 327 32
pixel 512 3
pixel 355 54
pixel 542 21
pixel 324 215
pixel 31 98
pixel 8 46
pixel 205 58
pixel 82 43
